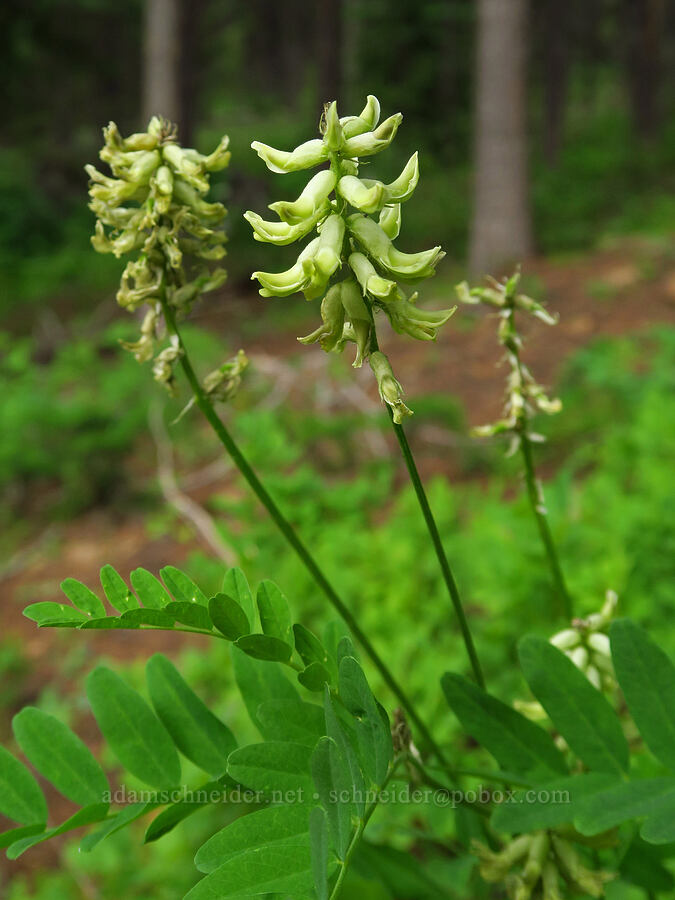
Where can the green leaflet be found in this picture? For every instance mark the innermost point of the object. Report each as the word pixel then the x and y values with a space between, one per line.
pixel 183 588
pixel 60 756
pixel 17 834
pixel 236 586
pixel 136 736
pixel 87 816
pixel 229 617
pixel 55 615
pixel 647 679
pixel 280 770
pixel 555 803
pixel 264 827
pixel 333 783
pixel 115 823
pixel 275 616
pixel 150 591
pixel 259 681
pixel 335 729
pixel 660 826
pixel 643 867
pixel 291 720
pixel 173 815
pixel 580 712
pixel 117 593
pixel 265 647
pixel 21 800
pixel 309 647
pixel 628 800
pixel 516 743
pixel 318 846
pixel 194 615
pixel 81 597
pixel 197 733
pixel 314 677
pixel 372 732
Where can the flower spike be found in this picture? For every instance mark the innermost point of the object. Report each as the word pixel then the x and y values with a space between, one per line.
pixel 339 205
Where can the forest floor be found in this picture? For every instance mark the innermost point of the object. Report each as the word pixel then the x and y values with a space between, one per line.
pixel 609 293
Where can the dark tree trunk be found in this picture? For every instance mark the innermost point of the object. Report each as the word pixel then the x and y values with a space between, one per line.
pixel 190 66
pixel 555 40
pixel 643 23
pixel 161 54
pixel 329 50
pixel 501 228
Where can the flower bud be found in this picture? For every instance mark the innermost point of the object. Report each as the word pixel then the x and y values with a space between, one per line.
pixel 579 657
pixel 306 156
pixel 365 121
pixel 389 388
pixel 550 881
pixel 390 221
pixel 314 197
pixel 331 128
pixel 599 643
pixel 373 141
pixel 566 639
pixel 581 878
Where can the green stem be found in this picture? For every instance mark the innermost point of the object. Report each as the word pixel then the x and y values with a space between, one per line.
pixel 432 528
pixel 291 536
pixel 534 494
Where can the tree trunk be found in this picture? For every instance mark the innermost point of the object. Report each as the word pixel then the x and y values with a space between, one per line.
pixel 161 94
pixel 501 229
pixel 329 50
pixel 556 71
pixel 643 22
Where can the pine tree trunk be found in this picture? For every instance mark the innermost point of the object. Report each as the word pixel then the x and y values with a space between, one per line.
pixel 329 50
pixel 161 95
pixel 501 229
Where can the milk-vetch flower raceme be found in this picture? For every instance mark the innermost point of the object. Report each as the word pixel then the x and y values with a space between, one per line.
pixel 353 264
pixel 524 396
pixel 154 208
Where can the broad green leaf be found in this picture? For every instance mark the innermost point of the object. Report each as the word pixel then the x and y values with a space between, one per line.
pixel 628 800
pixel 372 732
pixel 21 800
pixel 580 712
pixel 265 827
pixel 551 804
pixel 318 845
pixel 514 741
pixel 115 823
pixel 264 646
pixel 173 815
pixel 182 587
pixel 660 826
pixel 278 769
pixel 191 614
pixel 275 616
pixel 335 729
pixel 96 812
pixel 17 834
pixel 149 589
pixel 334 786
pixel 314 677
pixel 116 590
pixel 60 755
pixel 647 679
pixel 291 720
pixel 236 586
pixel 229 617
pixel 197 733
pixel 81 597
pixel 309 647
pixel 259 681
pixel 54 615
pixel 109 623
pixel 155 618
pixel 136 736
pixel 642 866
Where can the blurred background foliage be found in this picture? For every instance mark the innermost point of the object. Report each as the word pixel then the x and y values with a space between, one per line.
pixel 79 481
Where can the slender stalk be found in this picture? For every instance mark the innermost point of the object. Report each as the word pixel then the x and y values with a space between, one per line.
pixel 292 537
pixel 432 528
pixel 534 495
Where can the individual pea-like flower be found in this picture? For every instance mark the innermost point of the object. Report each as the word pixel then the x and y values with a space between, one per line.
pixel 153 208
pixel 389 388
pixel 223 383
pixel 535 865
pixel 353 265
pixel 586 643
pixel 524 395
